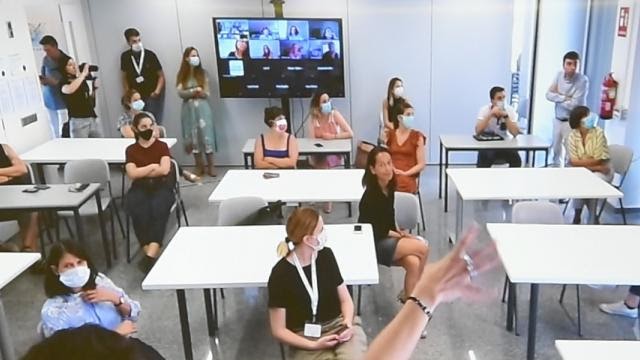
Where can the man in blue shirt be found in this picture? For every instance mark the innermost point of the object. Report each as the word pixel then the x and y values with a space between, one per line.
pixel 568 90
pixel 50 77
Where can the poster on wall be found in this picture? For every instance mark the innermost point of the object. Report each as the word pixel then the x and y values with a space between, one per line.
pixel 623 21
pixel 6 103
pixel 37 30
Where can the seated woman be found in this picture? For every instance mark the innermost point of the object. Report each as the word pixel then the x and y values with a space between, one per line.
pixel 395 92
pixel 149 200
pixel 326 123
pixel 393 246
pixel 324 328
pixel 13 171
pixel 407 149
pixel 78 294
pixel 91 342
pixel 587 147
pixel 133 104
pixel 276 149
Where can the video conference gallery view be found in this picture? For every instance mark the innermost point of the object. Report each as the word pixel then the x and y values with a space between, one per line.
pixel 260 57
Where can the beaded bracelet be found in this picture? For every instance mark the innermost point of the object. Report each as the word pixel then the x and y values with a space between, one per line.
pixel 425 309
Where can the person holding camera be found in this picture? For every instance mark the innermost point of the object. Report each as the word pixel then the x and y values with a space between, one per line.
pixel 81 100
pixel 500 119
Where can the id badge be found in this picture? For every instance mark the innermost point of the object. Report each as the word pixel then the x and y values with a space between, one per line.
pixel 139 79
pixel 312 330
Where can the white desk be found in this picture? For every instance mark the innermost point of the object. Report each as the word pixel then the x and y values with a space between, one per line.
pixel 59 151
pixel 307 147
pixel 565 254
pixel 598 350
pixel 11 266
pixel 295 186
pixel 209 257
pixel 450 143
pixel 526 184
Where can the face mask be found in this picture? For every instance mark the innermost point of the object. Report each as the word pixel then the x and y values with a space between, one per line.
pixel 326 107
pixel 500 104
pixel 590 121
pixel 281 125
pixel 137 47
pixel 137 105
pixel 322 240
pixel 76 277
pixel 194 60
pixel 398 92
pixel 408 121
pixel 146 134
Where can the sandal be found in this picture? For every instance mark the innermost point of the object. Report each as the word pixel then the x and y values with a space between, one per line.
pixel 191 177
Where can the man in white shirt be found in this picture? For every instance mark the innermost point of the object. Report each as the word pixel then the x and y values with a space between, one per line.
pixel 568 90
pixel 498 118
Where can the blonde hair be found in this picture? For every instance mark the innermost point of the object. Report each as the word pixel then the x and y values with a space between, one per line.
pixel 302 222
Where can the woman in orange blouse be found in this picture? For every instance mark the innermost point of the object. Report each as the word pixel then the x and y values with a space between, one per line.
pixel 406 146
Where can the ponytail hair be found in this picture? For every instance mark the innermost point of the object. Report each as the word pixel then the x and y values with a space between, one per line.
pixel 302 222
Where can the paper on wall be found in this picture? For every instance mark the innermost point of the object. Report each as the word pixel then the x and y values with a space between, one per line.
pixel 6 102
pixel 18 95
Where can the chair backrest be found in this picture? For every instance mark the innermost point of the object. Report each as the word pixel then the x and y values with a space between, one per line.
pixel 537 212
pixel 235 211
pixel 407 210
pixel 621 157
pixel 87 171
pixel 162 131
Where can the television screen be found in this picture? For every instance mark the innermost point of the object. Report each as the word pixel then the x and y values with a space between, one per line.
pixel 272 58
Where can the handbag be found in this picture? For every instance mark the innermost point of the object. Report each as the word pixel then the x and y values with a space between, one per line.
pixel 362 153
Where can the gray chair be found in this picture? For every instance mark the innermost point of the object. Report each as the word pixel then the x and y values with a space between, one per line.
pixel 178 207
pixel 92 171
pixel 236 211
pixel 407 209
pixel 621 157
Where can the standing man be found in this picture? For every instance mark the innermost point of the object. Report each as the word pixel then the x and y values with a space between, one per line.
pixel 50 77
pixel 498 118
pixel 568 90
pixel 141 70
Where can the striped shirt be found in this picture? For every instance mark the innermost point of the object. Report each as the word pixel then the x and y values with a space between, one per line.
pixel 594 145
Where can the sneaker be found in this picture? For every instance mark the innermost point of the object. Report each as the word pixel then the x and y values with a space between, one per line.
pixel 191 177
pixel 619 308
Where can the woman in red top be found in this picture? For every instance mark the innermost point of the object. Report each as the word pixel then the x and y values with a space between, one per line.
pixel 149 200
pixel 407 149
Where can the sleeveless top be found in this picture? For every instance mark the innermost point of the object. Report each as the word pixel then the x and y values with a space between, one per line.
pixel 404 158
pixel 278 154
pixel 5 162
pixel 319 128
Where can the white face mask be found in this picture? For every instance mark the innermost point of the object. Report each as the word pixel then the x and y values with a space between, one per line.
pixel 398 92
pixel 500 104
pixel 194 60
pixel 76 277
pixel 281 125
pixel 322 240
pixel 137 105
pixel 137 47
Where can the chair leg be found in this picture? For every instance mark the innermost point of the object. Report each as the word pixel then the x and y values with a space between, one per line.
pixel 579 312
pixel 282 352
pixel 57 222
pixel 222 293
pixel 504 289
pixel 184 212
pixel 178 215
pixel 424 225
pixel 66 224
pixel 117 212
pixel 566 206
pixel 564 288
pixel 113 232
pixel 128 240
pixel 624 215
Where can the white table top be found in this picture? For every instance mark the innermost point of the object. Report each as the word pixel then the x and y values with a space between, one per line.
pixel 307 146
pixel 292 185
pixel 530 183
pixel 56 151
pixel 57 196
pixel 568 254
pixel 467 142
pixel 598 350
pixel 14 264
pixel 202 257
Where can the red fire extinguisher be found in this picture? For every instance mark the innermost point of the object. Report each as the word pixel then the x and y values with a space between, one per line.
pixel 609 94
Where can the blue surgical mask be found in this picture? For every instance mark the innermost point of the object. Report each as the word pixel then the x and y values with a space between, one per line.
pixel 590 121
pixel 408 121
pixel 137 105
pixel 326 107
pixel 76 277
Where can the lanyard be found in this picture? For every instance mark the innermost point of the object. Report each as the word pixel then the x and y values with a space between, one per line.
pixel 313 291
pixel 138 66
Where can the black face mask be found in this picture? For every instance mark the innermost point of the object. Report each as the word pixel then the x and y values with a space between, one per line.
pixel 145 134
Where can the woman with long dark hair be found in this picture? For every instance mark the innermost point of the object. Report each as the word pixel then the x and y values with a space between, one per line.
pixel 78 294
pixel 395 96
pixel 198 133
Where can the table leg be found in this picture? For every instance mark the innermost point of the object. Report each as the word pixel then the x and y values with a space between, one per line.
pixel 184 324
pixel 446 180
pixel 511 299
pixel 533 322
pixel 360 299
pixel 124 171
pixel 40 170
pixel 350 211
pixel 212 325
pixel 440 173
pixel 103 231
pixel 347 164
pixel 6 347
pixel 78 220
pixel 546 158
pixel 457 231
pixel 215 309
pixel 246 161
